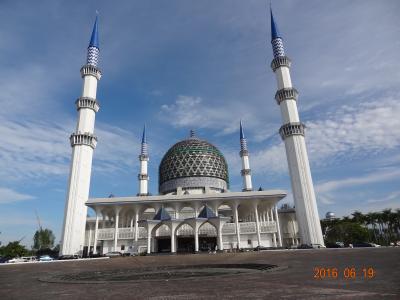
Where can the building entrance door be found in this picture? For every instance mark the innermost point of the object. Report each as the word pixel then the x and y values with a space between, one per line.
pixel 207 243
pixel 185 244
pixel 163 244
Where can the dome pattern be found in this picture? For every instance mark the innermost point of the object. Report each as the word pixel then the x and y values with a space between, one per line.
pixel 192 158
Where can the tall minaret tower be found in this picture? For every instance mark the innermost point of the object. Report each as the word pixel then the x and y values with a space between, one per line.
pixel 244 155
pixel 143 158
pixel 83 141
pixel 292 132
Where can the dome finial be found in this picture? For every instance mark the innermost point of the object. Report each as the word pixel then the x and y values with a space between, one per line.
pixel 192 133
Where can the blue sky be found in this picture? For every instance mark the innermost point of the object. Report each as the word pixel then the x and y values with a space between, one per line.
pixel 177 65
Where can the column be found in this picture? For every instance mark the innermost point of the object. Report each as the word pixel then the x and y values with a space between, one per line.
pixel 278 227
pixel 273 234
pixel 148 240
pixel 136 225
pixel 236 216
pixel 294 238
pixel 117 210
pixel 90 238
pixel 196 238
pixel 219 237
pixel 173 241
pixel 131 224
pixel 257 225
pixel 96 228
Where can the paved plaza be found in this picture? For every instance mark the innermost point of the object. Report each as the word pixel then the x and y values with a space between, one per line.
pixel 342 274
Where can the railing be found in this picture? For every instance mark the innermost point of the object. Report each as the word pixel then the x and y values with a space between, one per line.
pixel 186 230
pixel 268 227
pixel 126 233
pixel 106 234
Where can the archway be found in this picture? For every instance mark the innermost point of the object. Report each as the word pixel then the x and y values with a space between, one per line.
pixel 184 238
pixel 161 235
pixel 207 237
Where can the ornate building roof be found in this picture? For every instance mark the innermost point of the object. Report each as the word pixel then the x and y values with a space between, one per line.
pixel 194 158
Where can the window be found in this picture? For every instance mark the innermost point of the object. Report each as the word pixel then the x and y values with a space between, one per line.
pixel 122 247
pixel 249 242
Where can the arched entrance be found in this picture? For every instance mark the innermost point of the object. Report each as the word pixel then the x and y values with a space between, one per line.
pixel 185 239
pixel 207 237
pixel 162 238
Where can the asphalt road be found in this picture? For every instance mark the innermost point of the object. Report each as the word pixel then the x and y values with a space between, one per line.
pixel 363 273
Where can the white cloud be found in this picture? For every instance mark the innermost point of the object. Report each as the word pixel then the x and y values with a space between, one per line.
pixel 272 160
pixel 34 150
pixel 357 131
pixel 191 111
pixel 390 197
pixel 374 177
pixel 9 196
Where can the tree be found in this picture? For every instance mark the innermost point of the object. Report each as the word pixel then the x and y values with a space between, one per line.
pixel 43 239
pixel 358 217
pixel 347 232
pixel 14 249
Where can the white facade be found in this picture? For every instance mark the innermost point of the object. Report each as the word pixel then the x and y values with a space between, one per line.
pixel 127 224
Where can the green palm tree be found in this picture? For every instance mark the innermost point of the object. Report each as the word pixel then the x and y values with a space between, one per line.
pixel 386 221
pixel 374 221
pixel 358 217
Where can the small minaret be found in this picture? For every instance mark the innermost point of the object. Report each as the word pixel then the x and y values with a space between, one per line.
pixel 244 154
pixel 83 141
pixel 143 158
pixel 292 133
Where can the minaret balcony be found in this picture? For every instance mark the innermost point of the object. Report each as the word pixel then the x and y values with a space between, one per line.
pixel 87 102
pixel 290 129
pixel 280 61
pixel 244 153
pixel 143 157
pixel 245 172
pixel 286 94
pixel 90 70
pixel 86 138
pixel 143 177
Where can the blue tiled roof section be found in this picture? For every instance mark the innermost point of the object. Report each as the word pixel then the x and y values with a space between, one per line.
pixel 94 40
pixel 206 212
pixel 162 215
pixel 274 28
pixel 144 138
pixel 241 131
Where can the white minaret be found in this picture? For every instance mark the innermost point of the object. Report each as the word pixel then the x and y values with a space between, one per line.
pixel 244 155
pixel 292 132
pixel 144 159
pixel 83 141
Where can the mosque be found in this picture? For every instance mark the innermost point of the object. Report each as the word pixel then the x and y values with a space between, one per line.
pixel 194 210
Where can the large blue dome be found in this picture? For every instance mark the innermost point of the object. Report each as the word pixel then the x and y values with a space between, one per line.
pixel 193 163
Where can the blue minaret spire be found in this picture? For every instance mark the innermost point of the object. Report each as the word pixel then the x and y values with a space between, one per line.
pixel 276 39
pixel 243 142
pixel 94 48
pixel 144 142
